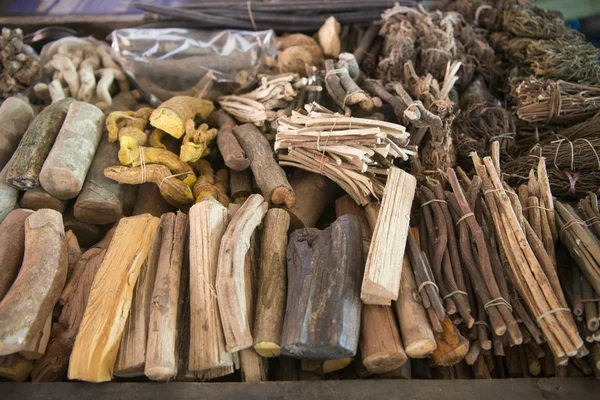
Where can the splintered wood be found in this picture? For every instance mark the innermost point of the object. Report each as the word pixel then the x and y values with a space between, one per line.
pixel 381 281
pixel 97 343
pixel 353 152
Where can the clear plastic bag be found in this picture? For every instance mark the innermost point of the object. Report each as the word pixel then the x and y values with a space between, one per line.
pixel 172 61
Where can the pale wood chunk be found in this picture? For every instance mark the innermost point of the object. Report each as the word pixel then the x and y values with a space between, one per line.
pixel 161 349
pixel 97 343
pixel 384 262
pixel 31 298
pixel 208 222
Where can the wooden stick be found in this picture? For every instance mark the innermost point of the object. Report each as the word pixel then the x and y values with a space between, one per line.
pixel 132 352
pixel 452 347
pixel 269 176
pixel 231 292
pixel 314 193
pixel 97 343
pixel 38 198
pixel 67 164
pixel 23 313
pixel 26 163
pixel 208 222
pixel 15 116
pixel 54 364
pixel 270 299
pixel 161 350
pixel 233 155
pixel 240 184
pixel 102 200
pixel 384 262
pixel 12 246
pixel 590 307
pixel 323 268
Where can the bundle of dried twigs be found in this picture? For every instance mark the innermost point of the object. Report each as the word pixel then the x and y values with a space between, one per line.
pixel 353 152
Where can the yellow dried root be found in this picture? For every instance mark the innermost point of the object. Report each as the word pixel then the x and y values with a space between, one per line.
pixel 172 189
pixel 156 137
pixel 132 155
pixel 206 185
pixel 196 141
pixel 172 115
pixel 128 123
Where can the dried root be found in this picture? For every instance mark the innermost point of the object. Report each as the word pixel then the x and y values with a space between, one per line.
pixel 128 123
pixel 172 115
pixel 210 185
pixel 196 141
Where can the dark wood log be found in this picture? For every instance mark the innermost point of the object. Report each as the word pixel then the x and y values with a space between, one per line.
pixel 67 164
pixel 15 116
pixel 240 185
pixel 12 246
pixel 87 234
pixel 314 193
pixel 102 200
pixel 322 319
pixel 269 176
pixel 233 155
pixel 25 165
pixel 149 200
pixel 38 198
pixel 24 312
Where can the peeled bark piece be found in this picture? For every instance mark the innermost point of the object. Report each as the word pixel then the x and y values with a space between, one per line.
pixel 9 196
pixel 233 155
pixel 97 343
pixel 26 163
pixel 15 116
pixel 12 245
pixel 384 262
pixel 231 275
pixel 172 115
pixel 452 347
pixel 271 295
pixel 102 200
pixel 322 318
pixel 67 165
pixel 329 37
pixel 149 200
pixel 87 234
pixel 132 352
pixel 268 175
pixel 15 368
pixel 31 298
pixel 38 198
pixel 208 222
pixel 314 192
pixel 161 350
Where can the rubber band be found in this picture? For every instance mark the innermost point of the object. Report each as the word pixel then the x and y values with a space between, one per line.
pixel 481 323
pixel 422 285
pixel 171 176
pixel 470 214
pixel 453 293
pixel 570 223
pixel 498 301
pixel 434 201
pixel 142 163
pixel 249 6
pixel 550 312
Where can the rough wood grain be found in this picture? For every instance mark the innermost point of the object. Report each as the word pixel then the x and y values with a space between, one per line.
pixel 149 200
pixel 97 343
pixel 240 185
pixel 12 246
pixel 208 222
pixel 270 299
pixel 384 262
pixel 73 253
pixel 233 155
pixel 231 292
pixel 102 200
pixel 67 164
pixel 322 317
pixel 15 116
pixel 53 366
pixel 161 350
pixel 269 176
pixel 132 352
pixel 38 198
pixel 452 347
pixel 31 298
pixel 26 163
pixel 9 196
pixel 37 351
pixel 314 193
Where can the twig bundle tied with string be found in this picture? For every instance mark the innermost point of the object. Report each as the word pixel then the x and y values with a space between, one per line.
pixel 542 101
pixel 529 268
pixel 353 152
